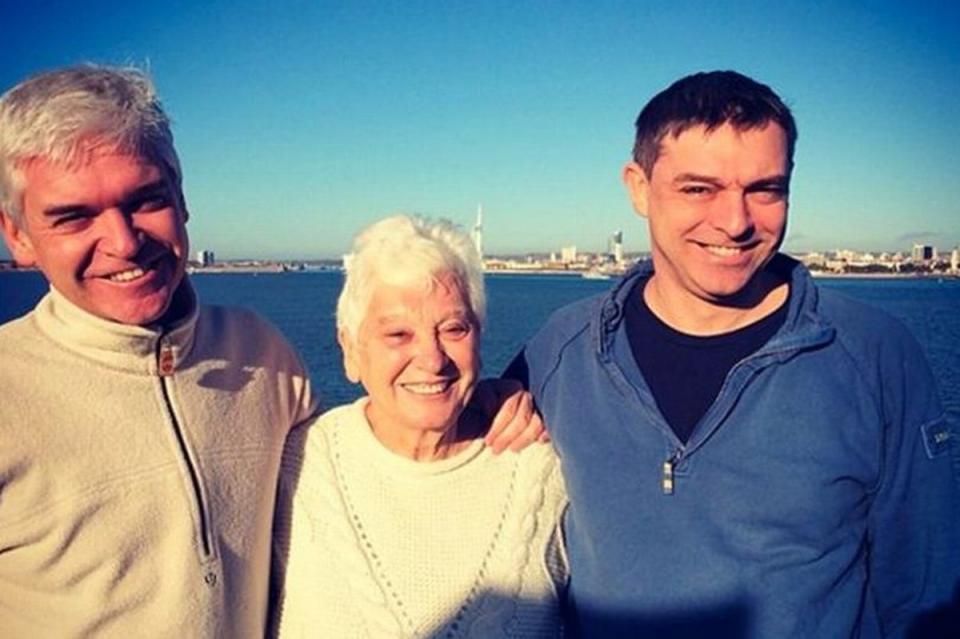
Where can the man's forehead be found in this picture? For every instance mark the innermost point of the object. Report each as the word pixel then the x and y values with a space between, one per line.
pixel 79 168
pixel 763 146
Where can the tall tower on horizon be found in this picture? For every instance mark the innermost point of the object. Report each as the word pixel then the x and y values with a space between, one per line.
pixel 616 247
pixel 478 231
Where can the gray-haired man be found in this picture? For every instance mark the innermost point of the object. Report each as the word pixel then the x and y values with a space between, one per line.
pixel 141 431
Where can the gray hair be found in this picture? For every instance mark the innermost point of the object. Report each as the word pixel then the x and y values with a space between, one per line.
pixel 405 249
pixel 65 114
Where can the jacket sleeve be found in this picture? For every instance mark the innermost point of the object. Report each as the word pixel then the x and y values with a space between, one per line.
pixel 914 527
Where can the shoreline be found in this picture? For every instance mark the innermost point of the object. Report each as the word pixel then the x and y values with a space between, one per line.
pixel 884 276
pixel 283 269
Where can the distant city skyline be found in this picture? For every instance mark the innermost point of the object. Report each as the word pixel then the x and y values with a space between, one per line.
pixel 300 123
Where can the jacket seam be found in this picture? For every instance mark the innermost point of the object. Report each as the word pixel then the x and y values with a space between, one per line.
pixel 877 402
pixel 555 365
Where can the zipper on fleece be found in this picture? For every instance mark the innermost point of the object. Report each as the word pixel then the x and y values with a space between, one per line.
pixel 666 480
pixel 667 477
pixel 166 365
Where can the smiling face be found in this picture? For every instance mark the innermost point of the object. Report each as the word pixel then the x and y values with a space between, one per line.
pixel 109 234
pixel 716 203
pixel 417 356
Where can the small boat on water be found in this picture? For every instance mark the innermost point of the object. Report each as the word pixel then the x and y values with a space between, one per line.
pixel 594 274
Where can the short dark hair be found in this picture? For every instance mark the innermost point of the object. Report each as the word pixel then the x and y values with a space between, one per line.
pixel 709 99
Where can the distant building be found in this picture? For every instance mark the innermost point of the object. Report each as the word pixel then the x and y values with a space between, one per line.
pixel 923 253
pixel 616 247
pixel 568 254
pixel 205 258
pixel 845 255
pixel 814 259
pixel 955 260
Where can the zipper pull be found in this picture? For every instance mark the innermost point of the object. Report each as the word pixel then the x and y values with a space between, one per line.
pixel 666 480
pixel 166 361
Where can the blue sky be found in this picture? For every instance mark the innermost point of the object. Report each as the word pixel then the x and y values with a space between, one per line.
pixel 300 122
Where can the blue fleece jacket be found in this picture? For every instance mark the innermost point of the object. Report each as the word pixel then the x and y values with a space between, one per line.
pixel 819 496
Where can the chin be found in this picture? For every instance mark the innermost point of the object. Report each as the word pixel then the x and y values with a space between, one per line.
pixel 436 423
pixel 139 313
pixel 728 285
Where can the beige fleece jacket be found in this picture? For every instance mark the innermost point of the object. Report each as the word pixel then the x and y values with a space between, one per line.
pixel 138 470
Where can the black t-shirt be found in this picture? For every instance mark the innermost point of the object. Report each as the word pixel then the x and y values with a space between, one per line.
pixel 685 372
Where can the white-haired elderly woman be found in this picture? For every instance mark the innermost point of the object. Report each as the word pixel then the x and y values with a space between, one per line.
pixel 394 518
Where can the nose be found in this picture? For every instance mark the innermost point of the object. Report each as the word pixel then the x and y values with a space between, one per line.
pixel 732 215
pixel 118 236
pixel 431 356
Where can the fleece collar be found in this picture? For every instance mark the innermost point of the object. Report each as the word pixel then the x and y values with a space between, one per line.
pixel 118 346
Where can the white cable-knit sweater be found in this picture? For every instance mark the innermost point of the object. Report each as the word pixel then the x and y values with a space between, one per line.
pixel 372 544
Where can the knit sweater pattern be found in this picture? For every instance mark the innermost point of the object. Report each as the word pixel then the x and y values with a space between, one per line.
pixel 138 468
pixel 372 544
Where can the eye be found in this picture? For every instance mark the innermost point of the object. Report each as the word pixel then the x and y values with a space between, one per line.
pixel 149 203
pixel 697 190
pixel 455 330
pixel 768 194
pixel 396 336
pixel 72 220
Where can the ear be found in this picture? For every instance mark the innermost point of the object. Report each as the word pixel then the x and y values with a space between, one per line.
pixel 351 364
pixel 638 187
pixel 18 241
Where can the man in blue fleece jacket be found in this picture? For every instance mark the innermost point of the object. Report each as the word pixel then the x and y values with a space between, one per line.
pixel 747 455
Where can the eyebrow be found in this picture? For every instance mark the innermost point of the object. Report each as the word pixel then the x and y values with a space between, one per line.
pixel 463 314
pixel 146 190
pixel 770 180
pixel 694 177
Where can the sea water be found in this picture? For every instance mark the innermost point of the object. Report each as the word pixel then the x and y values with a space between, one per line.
pixel 302 305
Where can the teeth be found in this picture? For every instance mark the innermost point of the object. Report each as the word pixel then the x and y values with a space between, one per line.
pixel 126 276
pixel 427 389
pixel 723 251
